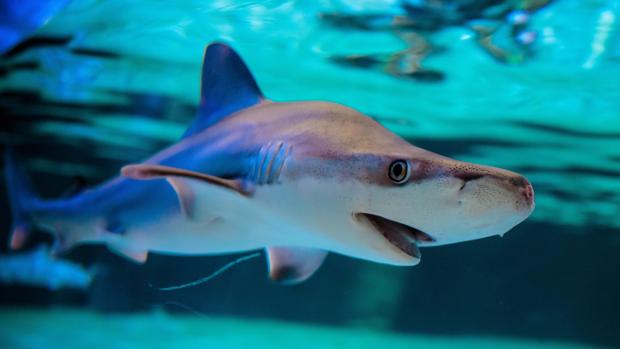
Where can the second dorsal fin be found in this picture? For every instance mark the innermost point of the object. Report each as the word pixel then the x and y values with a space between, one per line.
pixel 227 86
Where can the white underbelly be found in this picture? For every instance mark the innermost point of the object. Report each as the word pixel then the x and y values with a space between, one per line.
pixel 234 224
pixel 178 235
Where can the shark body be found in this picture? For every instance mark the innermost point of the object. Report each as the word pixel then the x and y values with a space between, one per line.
pixel 298 179
pixel 40 269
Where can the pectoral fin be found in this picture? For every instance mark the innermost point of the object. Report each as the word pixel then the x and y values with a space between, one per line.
pixel 135 255
pixel 149 171
pixel 291 265
pixel 177 179
pixel 185 195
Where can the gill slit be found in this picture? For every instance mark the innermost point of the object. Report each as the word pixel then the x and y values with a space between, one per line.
pixel 270 161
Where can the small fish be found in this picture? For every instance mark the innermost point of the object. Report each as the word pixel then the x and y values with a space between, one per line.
pixel 38 268
pixel 298 179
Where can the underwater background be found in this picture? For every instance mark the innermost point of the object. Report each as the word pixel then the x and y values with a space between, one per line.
pixel 87 86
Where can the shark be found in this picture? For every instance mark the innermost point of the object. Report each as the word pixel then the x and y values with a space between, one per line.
pixel 39 268
pixel 298 179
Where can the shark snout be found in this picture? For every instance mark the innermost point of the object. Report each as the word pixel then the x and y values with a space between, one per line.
pixel 491 184
pixel 524 187
pixel 478 201
pixel 486 185
pixel 521 187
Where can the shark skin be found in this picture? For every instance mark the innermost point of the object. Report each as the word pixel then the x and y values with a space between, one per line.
pixel 297 179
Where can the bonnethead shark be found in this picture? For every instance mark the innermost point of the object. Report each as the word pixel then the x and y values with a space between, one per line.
pixel 298 179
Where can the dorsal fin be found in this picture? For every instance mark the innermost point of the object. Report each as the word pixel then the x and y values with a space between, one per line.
pixel 227 86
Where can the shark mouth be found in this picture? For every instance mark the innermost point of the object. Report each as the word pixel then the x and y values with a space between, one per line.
pixel 404 237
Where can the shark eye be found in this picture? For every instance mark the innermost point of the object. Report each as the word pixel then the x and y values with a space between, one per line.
pixel 399 171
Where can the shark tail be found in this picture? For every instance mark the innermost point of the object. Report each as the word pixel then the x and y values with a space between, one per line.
pixel 21 199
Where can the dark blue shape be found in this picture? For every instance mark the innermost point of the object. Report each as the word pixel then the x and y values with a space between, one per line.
pixel 227 87
pixel 115 226
pixel 20 18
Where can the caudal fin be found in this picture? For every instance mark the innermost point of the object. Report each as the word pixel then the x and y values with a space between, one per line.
pixel 21 198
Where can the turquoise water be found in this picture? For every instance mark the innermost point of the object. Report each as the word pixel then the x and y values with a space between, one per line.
pixel 122 81
pixel 216 332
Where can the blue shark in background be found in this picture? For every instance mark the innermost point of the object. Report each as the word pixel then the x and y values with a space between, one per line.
pixel 299 179
pixel 40 269
pixel 20 18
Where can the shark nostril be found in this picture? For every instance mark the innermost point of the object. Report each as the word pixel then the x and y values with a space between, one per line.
pixel 466 177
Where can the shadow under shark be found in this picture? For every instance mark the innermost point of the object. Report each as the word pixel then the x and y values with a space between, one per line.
pixel 298 179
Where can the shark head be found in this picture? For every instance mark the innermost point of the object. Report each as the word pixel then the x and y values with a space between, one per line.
pixel 392 197
pixel 417 201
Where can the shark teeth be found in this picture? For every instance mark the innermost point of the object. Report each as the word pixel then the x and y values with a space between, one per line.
pixel 404 237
